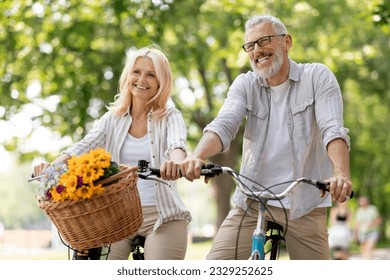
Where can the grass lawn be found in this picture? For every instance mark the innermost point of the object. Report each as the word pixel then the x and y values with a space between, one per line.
pixel 195 251
pixel 198 250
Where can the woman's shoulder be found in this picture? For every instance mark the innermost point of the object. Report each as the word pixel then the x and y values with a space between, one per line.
pixel 112 119
pixel 171 110
pixel 106 116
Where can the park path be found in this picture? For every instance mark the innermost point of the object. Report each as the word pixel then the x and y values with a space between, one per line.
pixel 379 254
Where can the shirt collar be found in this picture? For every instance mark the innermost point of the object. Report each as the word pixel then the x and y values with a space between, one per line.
pixel 294 71
pixel 293 74
pixel 128 113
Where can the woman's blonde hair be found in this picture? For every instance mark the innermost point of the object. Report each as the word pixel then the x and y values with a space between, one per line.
pixel 123 100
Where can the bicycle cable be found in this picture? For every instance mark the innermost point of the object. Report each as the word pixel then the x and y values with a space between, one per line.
pixel 255 197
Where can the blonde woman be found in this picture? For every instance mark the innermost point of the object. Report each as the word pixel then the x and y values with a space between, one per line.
pixel 140 124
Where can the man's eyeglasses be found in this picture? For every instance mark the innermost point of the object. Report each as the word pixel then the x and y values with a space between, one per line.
pixel 263 41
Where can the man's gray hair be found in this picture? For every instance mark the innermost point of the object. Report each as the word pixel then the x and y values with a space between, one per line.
pixel 280 28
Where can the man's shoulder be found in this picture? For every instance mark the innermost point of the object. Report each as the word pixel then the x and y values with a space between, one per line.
pixel 247 75
pixel 246 78
pixel 310 65
pixel 309 70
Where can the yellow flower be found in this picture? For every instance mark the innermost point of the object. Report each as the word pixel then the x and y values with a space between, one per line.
pixel 58 193
pixel 82 173
pixel 102 158
pixel 84 192
pixel 69 180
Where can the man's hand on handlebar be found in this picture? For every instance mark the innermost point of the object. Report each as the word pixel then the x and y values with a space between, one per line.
pixel 191 168
pixel 340 187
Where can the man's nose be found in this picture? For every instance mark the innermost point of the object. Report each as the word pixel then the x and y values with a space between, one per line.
pixel 258 48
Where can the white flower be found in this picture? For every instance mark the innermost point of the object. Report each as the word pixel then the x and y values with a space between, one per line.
pixel 51 176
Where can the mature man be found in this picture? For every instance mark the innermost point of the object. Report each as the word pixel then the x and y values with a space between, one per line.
pixel 294 128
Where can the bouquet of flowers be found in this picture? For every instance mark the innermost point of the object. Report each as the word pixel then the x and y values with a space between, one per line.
pixel 91 200
pixel 79 179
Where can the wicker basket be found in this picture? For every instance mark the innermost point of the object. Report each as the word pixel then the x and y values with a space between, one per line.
pixel 103 219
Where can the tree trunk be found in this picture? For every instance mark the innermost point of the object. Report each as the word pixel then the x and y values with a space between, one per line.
pixel 223 184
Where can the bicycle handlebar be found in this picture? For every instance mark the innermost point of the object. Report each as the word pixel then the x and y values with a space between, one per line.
pixel 144 171
pixel 212 170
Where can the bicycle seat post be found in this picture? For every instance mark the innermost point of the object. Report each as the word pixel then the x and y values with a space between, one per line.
pixel 259 238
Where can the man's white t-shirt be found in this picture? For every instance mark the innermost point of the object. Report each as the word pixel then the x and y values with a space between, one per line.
pixel 278 152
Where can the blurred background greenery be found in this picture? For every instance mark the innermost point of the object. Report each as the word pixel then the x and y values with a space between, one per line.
pixel 61 61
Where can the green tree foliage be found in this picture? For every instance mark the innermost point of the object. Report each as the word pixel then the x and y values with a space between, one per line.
pixel 73 51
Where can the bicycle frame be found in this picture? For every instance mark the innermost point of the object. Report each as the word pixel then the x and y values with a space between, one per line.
pixel 258 237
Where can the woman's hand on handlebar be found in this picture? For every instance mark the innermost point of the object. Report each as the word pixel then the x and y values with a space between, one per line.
pixel 38 169
pixel 170 170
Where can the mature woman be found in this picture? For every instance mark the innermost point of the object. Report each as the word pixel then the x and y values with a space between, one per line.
pixel 141 125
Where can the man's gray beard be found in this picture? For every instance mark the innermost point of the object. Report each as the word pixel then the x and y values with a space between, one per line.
pixel 270 71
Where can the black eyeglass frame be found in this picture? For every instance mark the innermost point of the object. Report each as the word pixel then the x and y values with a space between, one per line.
pixel 268 41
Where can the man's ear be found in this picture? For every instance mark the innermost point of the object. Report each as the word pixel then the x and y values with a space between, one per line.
pixel 288 42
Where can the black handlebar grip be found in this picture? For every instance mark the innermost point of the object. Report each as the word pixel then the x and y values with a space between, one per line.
pixel 210 170
pixel 155 171
pixel 324 186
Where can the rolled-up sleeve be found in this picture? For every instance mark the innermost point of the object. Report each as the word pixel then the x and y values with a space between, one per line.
pixel 176 132
pixel 329 107
pixel 336 133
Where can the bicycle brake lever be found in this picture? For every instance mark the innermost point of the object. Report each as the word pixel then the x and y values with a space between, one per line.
pixel 149 176
pixel 35 178
pixel 144 175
